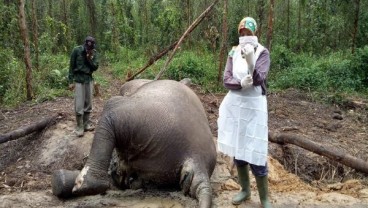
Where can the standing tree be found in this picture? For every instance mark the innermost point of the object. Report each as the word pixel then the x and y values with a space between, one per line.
pixel 27 54
pixel 270 26
pixel 356 21
pixel 261 6
pixel 301 5
pixel 223 42
pixel 91 7
pixel 288 24
pixel 35 32
pixel 114 28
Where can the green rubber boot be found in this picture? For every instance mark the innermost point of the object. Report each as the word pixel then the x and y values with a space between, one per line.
pixel 79 131
pixel 262 186
pixel 243 177
pixel 87 122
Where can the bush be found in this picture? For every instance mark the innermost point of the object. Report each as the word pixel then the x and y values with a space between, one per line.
pixel 15 84
pixel 281 58
pixel 359 66
pixel 8 64
pixel 197 65
pixel 299 77
pixel 200 67
pixel 336 75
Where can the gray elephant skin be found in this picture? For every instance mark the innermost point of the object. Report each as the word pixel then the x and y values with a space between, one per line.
pixel 159 133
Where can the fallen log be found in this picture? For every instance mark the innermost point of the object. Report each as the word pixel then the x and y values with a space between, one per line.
pixel 333 154
pixel 25 130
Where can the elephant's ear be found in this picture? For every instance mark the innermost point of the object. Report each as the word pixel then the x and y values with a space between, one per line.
pixel 186 181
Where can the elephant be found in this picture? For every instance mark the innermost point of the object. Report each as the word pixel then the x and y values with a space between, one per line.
pixel 159 133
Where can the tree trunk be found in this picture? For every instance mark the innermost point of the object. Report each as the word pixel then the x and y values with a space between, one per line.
pixel 35 32
pixel 114 28
pixel 299 25
pixel 333 154
pixel 189 19
pixel 27 54
pixel 261 6
pixel 270 26
pixel 288 25
pixel 92 16
pixel 65 19
pixel 25 130
pixel 356 21
pixel 223 43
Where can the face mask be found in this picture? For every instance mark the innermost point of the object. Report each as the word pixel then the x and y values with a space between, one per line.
pixel 253 40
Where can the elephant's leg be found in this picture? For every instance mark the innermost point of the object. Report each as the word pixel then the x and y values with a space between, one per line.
pixel 93 178
pixel 195 181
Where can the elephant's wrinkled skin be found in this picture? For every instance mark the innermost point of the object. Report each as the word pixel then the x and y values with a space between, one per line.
pixel 161 135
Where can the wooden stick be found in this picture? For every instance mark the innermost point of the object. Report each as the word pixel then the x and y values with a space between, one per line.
pixel 152 60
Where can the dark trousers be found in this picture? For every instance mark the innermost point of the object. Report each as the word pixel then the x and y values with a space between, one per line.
pixel 256 170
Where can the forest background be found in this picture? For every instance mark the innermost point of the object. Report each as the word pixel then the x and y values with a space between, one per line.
pixel 319 46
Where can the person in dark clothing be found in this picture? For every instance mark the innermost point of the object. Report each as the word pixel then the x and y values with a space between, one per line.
pixel 83 62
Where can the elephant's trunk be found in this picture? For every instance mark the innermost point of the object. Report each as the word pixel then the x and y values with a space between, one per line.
pixel 93 179
pixel 101 151
pixel 62 182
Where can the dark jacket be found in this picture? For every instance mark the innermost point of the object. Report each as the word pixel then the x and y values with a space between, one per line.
pixel 81 68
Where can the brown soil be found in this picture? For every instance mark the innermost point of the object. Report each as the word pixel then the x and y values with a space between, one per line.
pixel 297 177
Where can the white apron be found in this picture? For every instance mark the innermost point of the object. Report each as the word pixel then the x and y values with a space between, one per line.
pixel 243 119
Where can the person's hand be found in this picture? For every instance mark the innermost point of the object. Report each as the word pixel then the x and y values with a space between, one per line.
pixel 71 87
pixel 247 50
pixel 89 55
pixel 247 81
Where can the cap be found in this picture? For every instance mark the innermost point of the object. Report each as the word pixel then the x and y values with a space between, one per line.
pixel 248 23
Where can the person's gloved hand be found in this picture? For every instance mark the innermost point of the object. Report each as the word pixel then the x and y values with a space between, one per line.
pixel 246 50
pixel 248 54
pixel 71 86
pixel 247 81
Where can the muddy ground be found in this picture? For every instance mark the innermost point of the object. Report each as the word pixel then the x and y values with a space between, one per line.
pixel 297 178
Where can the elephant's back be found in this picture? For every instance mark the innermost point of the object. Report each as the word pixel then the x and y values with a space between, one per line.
pixel 168 90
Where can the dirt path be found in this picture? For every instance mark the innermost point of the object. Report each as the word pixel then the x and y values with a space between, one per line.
pixel 26 164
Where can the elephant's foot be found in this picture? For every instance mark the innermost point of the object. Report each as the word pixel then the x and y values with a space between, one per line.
pixel 88 184
pixel 62 182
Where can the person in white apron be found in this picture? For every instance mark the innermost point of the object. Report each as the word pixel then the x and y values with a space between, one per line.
pixel 243 115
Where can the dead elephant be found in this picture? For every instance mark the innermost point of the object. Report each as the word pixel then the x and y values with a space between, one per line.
pixel 161 135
